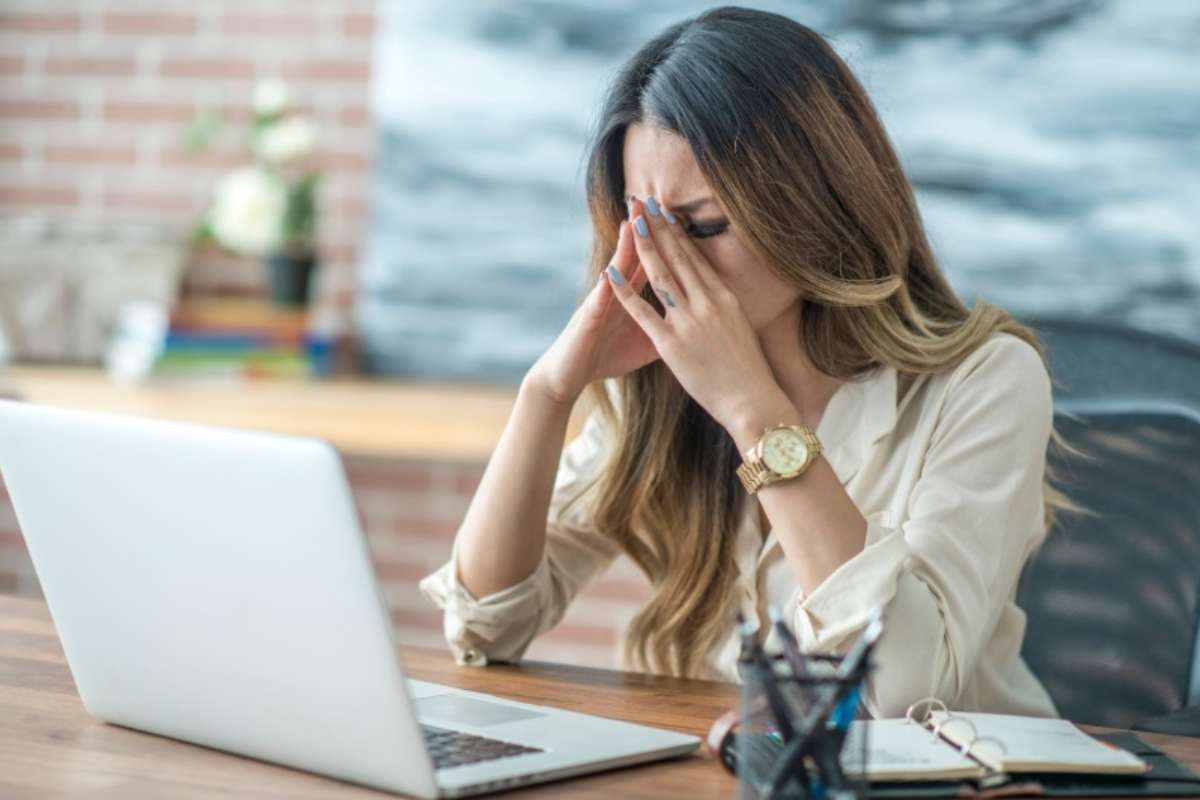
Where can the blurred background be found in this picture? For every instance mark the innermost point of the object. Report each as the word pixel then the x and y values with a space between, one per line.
pixel 363 220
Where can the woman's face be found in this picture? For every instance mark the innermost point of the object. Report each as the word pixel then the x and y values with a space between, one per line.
pixel 660 164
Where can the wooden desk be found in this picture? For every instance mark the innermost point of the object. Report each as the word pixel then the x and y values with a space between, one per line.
pixel 49 746
pixel 362 415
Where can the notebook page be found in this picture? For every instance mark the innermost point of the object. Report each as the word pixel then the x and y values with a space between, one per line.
pixel 1034 744
pixel 898 750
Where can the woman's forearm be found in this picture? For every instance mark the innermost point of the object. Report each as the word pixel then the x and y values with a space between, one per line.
pixel 503 534
pixel 816 522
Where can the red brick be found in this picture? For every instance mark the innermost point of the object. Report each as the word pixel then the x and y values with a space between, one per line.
pixel 91 154
pixel 330 69
pixel 22 197
pixel 615 589
pixel 286 23
pixel 584 634
pixel 11 110
pixel 428 528
pixel 11 152
pixel 161 202
pixel 134 111
pixel 341 298
pixel 238 114
pixel 341 275
pixel 353 207
pixel 466 482
pixel 207 68
pixel 400 572
pixel 355 116
pixel 389 474
pixel 203 159
pixel 358 25
pixel 339 251
pixel 347 161
pixel 415 618
pixel 39 23
pixel 11 538
pixel 85 66
pixel 149 22
pixel 12 65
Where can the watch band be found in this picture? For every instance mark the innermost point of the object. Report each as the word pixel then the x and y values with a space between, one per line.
pixel 754 474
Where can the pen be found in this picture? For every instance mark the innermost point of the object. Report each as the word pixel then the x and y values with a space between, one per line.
pixel 791 648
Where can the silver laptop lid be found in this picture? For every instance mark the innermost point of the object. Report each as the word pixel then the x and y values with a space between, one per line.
pixel 214 586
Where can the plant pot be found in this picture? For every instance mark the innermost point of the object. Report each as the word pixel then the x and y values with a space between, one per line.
pixel 289 277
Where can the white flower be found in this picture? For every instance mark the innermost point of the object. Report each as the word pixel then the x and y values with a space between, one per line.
pixel 247 213
pixel 271 97
pixel 287 140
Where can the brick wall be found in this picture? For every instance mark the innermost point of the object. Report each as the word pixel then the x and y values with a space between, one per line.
pixel 410 511
pixel 94 96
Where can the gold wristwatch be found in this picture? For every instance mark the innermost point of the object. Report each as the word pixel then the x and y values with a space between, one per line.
pixel 782 452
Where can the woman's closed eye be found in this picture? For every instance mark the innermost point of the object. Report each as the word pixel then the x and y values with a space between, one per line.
pixel 702 231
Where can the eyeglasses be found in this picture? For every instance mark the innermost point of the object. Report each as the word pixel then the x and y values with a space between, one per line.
pixel 933 715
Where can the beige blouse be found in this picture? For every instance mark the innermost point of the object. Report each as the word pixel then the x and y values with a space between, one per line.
pixel 949 478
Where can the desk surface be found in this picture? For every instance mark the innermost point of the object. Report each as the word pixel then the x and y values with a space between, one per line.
pixel 50 746
pixel 364 416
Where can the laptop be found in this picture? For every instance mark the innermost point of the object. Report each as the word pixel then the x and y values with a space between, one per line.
pixel 214 586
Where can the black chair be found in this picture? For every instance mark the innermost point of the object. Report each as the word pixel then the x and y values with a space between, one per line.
pixel 1113 601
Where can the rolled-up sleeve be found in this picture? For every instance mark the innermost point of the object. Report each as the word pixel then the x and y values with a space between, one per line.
pixel 500 626
pixel 944 576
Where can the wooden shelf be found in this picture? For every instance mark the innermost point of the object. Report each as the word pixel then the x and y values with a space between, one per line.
pixel 363 416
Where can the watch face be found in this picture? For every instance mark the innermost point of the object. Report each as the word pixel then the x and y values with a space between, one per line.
pixel 784 450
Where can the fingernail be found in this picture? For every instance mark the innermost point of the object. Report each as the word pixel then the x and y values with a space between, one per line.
pixel 670 217
pixel 640 224
pixel 652 206
pixel 616 276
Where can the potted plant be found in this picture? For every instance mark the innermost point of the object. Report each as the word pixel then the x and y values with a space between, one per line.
pixel 267 208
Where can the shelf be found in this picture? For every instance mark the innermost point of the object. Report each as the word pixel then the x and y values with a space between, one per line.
pixel 362 416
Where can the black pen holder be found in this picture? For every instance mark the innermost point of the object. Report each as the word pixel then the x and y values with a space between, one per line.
pixel 796 737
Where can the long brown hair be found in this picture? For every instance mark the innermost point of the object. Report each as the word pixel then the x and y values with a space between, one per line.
pixel 793 148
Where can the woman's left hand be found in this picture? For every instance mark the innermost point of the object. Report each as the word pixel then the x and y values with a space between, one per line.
pixel 705 338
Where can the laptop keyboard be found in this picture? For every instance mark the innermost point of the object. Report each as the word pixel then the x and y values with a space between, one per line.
pixel 455 748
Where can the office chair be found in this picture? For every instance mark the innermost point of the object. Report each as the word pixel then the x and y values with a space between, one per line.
pixel 1113 601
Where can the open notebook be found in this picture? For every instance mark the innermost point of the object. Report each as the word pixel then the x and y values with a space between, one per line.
pixel 975 746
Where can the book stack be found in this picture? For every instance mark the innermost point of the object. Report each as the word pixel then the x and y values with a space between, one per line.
pixel 235 338
pixel 219 338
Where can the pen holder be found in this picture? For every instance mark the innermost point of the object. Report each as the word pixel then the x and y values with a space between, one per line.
pixel 795 737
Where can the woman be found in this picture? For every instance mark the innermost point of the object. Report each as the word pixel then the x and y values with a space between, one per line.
pixel 760 261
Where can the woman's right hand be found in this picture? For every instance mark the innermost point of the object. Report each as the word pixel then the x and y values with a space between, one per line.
pixel 600 340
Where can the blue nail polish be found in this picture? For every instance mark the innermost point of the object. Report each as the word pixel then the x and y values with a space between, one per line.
pixel 616 276
pixel 642 228
pixel 670 217
pixel 652 206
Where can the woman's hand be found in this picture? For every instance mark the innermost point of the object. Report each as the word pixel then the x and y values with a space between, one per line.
pixel 704 338
pixel 600 340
